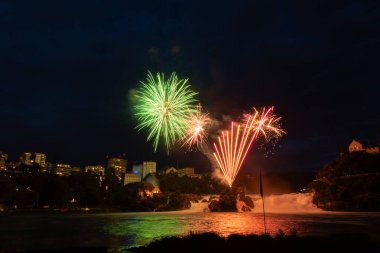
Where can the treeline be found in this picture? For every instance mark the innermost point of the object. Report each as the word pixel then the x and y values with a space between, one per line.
pixel 177 192
pixel 33 190
pixel 37 190
pixel 349 183
pixel 172 182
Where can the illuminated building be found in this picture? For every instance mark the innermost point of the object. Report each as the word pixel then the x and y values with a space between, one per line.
pixel 137 169
pixel 25 158
pixel 152 179
pixel 76 170
pixel 95 169
pixel 360 146
pixel 49 167
pixel 146 189
pixel 33 159
pixel 62 169
pixel 39 158
pixel 171 170
pixel 148 167
pixel 131 178
pixel 183 172
pixel 186 171
pixel 117 167
pixel 3 160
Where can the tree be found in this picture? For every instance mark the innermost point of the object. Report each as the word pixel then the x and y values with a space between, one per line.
pixel 55 191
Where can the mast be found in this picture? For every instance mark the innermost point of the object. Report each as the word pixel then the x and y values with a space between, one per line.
pixel 262 197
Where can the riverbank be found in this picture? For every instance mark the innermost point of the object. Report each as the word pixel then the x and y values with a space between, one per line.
pixel 211 242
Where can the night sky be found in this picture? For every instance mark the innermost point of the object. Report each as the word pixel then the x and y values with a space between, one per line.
pixel 67 68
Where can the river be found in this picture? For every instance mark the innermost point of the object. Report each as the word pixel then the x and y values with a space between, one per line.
pixel 119 231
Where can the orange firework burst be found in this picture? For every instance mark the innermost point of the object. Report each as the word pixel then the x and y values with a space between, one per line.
pixel 196 128
pixel 265 123
pixel 233 145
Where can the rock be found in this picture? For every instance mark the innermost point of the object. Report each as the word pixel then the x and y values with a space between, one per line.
pixel 214 206
pixel 227 202
pixel 248 201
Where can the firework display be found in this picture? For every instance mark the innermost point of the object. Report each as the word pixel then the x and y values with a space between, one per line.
pixel 166 109
pixel 265 123
pixel 163 108
pixel 196 128
pixel 233 145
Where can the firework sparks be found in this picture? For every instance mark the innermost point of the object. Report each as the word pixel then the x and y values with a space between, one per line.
pixel 233 145
pixel 163 107
pixel 196 128
pixel 265 123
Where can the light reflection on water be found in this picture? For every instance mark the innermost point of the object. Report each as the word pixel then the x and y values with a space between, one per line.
pixel 122 230
pixel 152 226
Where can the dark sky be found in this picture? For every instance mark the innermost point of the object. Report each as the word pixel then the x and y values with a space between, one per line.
pixel 67 68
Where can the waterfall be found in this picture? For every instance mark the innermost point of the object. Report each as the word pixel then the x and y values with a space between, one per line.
pixel 285 203
pixel 276 203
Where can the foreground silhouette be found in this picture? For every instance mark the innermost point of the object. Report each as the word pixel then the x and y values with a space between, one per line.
pixel 211 242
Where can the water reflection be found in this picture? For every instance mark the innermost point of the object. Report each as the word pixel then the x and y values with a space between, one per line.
pixel 119 231
pixel 141 229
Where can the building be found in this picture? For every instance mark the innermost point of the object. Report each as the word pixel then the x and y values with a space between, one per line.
pixel 131 178
pixel 360 146
pixel 137 169
pixel 152 178
pixel 186 171
pixel 146 189
pixel 95 169
pixel 39 158
pixel 26 158
pixel 76 170
pixel 3 160
pixel 171 170
pixel 33 159
pixel 148 167
pixel 49 168
pixel 62 169
pixel 117 167
pixel 183 172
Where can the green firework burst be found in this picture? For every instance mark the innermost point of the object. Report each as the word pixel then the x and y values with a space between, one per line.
pixel 162 107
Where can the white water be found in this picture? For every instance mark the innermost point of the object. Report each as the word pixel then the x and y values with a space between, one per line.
pixel 283 203
pixel 286 203
pixel 201 206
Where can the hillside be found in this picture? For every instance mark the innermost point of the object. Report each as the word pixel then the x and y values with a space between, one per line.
pixel 349 183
